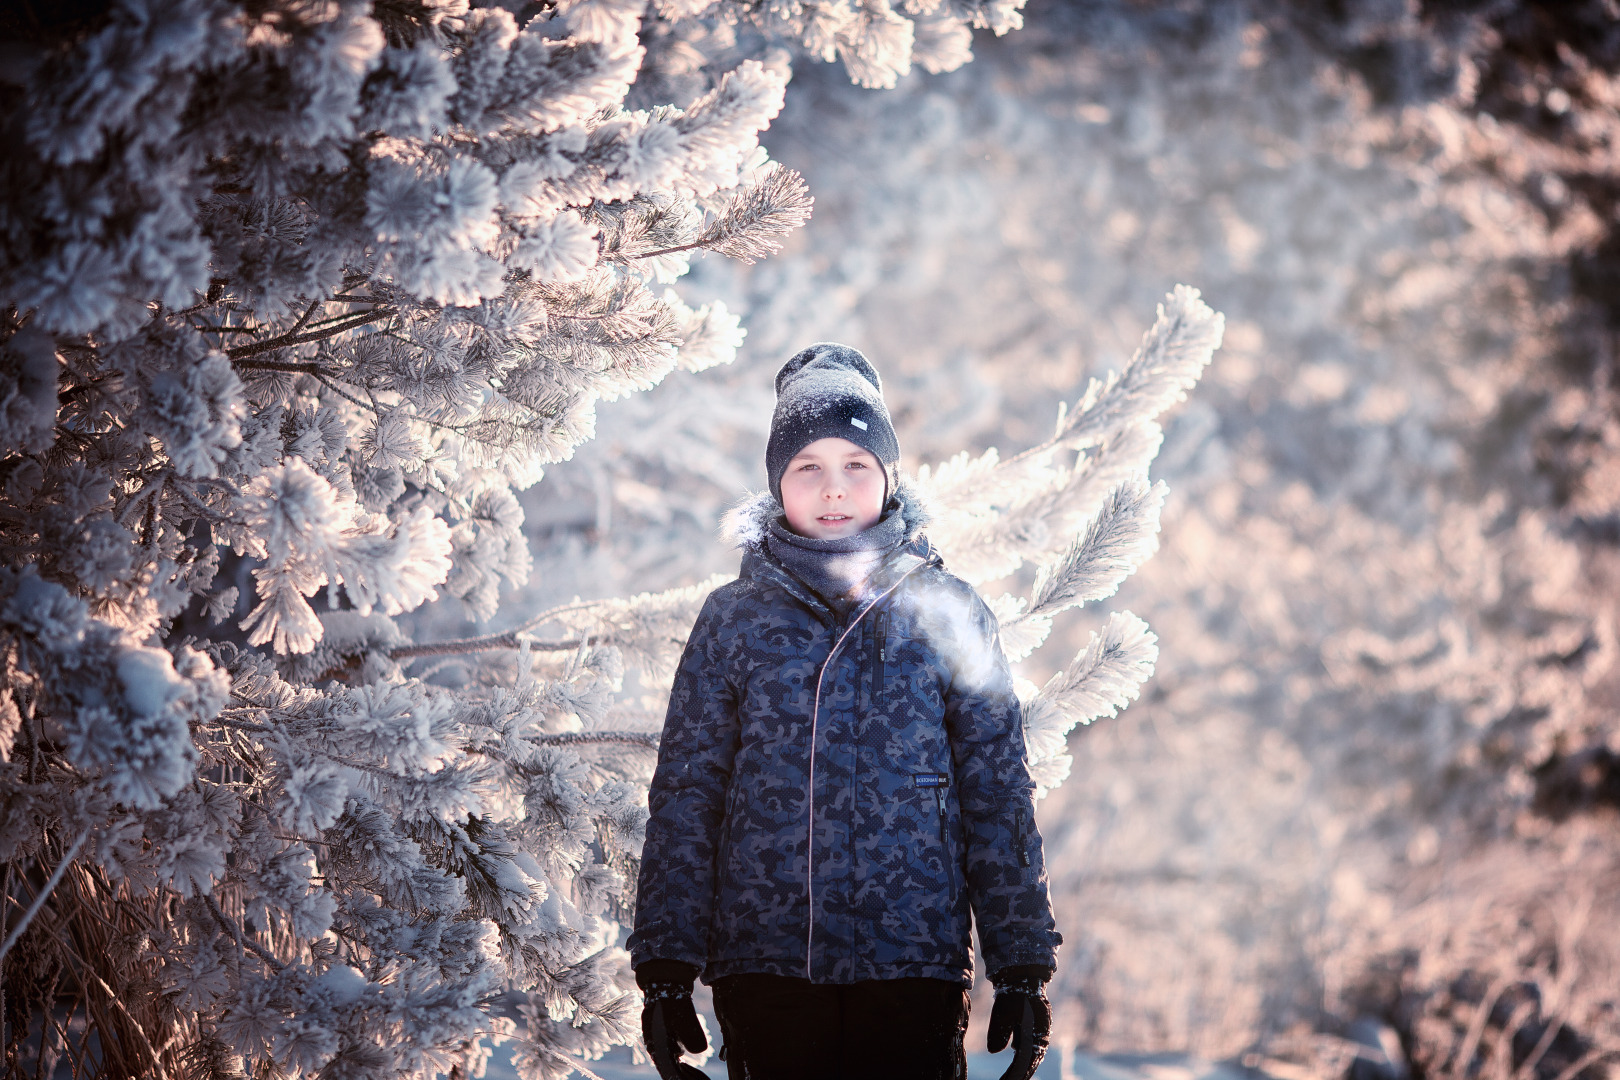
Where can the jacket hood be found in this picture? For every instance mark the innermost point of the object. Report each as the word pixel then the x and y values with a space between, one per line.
pixel 746 524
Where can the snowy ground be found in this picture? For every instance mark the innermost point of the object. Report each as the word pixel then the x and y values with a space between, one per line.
pixel 1061 1063
pixel 1058 1066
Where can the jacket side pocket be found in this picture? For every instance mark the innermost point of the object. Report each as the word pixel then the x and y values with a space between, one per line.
pixel 945 843
pixel 940 783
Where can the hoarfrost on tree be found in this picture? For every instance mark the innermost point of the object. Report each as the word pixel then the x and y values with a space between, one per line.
pixel 300 296
pixel 302 293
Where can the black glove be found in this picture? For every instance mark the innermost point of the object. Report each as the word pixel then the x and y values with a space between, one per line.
pixel 1023 1015
pixel 669 1023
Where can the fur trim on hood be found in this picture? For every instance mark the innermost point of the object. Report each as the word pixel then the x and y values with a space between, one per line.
pixel 746 524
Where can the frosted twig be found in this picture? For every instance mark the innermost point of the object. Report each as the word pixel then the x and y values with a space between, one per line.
pixel 304 318
pixel 512 639
pixel 649 739
pixel 777 205
pixel 295 367
pixel 112 995
pixel 242 352
pixel 1123 534
pixel 241 939
pixel 1476 1026
pixel 1108 673
pixel 44 894
pixel 1528 1068
pixel 1585 1061
pixel 612 619
pixel 1167 364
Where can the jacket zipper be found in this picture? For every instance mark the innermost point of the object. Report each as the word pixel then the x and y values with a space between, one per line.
pixel 810 822
pixel 1018 839
pixel 880 634
pixel 945 844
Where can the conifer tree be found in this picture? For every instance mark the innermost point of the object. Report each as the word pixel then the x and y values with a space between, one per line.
pixel 313 289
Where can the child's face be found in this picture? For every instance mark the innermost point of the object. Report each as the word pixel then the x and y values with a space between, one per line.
pixel 833 488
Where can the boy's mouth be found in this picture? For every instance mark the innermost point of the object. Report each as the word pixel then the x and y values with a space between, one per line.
pixel 834 519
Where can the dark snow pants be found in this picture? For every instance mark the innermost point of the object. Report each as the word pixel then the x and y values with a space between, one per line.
pixel 780 1028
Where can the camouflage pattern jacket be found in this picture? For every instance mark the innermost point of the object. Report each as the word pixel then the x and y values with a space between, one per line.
pixel 836 799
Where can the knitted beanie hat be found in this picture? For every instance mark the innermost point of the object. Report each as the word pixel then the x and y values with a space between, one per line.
pixel 828 390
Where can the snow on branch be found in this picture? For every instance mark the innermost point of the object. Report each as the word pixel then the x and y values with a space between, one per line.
pixel 307 293
pixel 758 215
pixel 648 629
pixel 992 514
pixel 1167 364
pixel 1122 536
pixel 1089 522
pixel 1105 677
pixel 878 41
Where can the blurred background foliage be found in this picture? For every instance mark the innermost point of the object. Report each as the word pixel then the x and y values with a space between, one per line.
pixel 1375 777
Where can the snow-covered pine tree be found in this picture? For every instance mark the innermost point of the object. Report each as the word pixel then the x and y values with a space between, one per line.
pixel 878 41
pixel 310 289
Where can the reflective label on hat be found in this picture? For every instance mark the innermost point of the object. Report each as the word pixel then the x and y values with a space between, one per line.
pixel 858 422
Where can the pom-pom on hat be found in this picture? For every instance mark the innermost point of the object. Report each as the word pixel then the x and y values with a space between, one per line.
pixel 828 391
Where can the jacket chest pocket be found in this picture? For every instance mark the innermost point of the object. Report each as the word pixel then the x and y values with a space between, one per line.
pixel 901 669
pixel 880 651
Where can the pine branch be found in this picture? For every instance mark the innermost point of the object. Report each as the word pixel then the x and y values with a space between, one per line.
pixel 991 515
pixel 305 317
pixel 281 365
pixel 773 207
pixel 1105 677
pixel 997 520
pixel 510 640
pixel 648 739
pixel 676 250
pixel 242 940
pixel 228 329
pixel 289 339
pixel 1168 362
pixel 1123 535
pixel 153 1052
pixel 1108 673
pixel 44 894
pixel 646 219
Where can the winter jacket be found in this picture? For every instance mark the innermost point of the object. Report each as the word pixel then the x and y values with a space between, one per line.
pixel 863 858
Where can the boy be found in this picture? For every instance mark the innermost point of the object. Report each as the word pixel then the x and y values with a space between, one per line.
pixel 842 786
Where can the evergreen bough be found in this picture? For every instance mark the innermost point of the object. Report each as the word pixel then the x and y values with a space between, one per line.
pixel 319 286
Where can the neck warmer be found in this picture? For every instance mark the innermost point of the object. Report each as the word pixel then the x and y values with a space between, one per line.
pixel 836 570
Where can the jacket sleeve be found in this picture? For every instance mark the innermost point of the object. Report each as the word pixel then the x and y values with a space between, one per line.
pixel 686 801
pixel 1005 867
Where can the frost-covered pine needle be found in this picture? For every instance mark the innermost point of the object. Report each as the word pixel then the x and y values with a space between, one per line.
pixel 1122 536
pixel 1106 676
